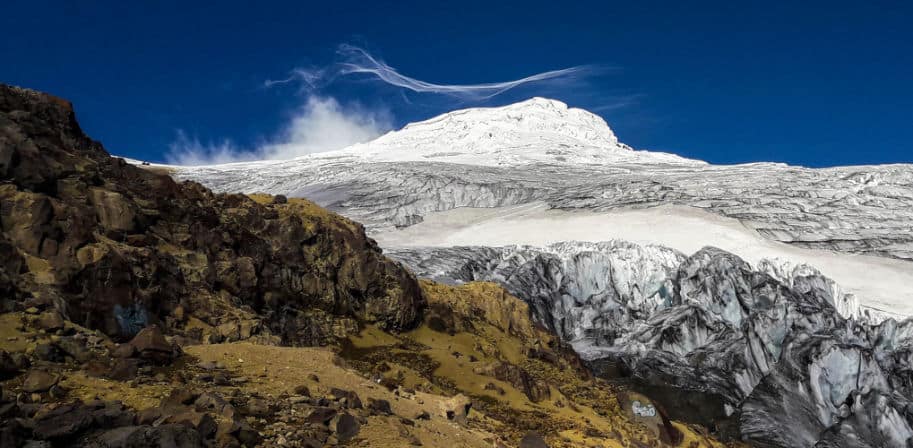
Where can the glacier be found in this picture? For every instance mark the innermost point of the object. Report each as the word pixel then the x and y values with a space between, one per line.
pixel 777 295
pixel 781 344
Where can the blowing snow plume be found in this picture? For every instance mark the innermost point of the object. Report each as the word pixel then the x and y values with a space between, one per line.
pixel 321 124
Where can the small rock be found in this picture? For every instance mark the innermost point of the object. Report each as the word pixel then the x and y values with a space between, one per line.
pixel 123 369
pixel 424 415
pixel 179 397
pixel 299 399
pixel 152 345
pixel 347 398
pixel 51 321
pixel 50 352
pixel 176 436
pixel 202 422
pixel 320 415
pixel 148 416
pixel 379 407
pixel 38 381
pixel 209 365
pixel 8 367
pixel 345 427
pixel 532 439
pixel 63 422
pixel 124 351
pixel 456 408
pixel 313 378
pixel 302 391
pixel 258 407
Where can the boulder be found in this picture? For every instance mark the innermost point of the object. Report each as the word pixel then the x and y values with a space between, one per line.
pixel 302 390
pixel 49 352
pixel 163 436
pixel 456 408
pixel 205 425
pixel 346 398
pixel 65 422
pixel 51 321
pixel 639 408
pixel 151 345
pixel 345 427
pixel 321 415
pixel 37 381
pixel 532 439
pixel 379 407
pixel 8 367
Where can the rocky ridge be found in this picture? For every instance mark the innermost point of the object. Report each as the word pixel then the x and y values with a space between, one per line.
pixel 117 248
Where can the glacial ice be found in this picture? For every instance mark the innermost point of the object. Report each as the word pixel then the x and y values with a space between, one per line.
pixel 780 342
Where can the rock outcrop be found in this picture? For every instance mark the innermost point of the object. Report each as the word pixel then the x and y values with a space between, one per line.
pixel 117 248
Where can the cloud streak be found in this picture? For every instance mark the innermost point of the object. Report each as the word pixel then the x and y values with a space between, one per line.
pixel 357 61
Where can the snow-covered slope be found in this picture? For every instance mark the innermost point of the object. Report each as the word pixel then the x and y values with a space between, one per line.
pixel 784 317
pixel 883 285
pixel 536 130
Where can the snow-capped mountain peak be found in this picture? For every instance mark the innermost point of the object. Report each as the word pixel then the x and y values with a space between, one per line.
pixel 535 130
pixel 509 125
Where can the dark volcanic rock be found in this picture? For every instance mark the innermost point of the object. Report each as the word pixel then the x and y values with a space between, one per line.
pixel 50 352
pixel 345 427
pixel 64 422
pixel 379 407
pixel 164 436
pixel 151 345
pixel 533 440
pixel 321 415
pixel 347 398
pixel 38 381
pixel 8 366
pixel 129 247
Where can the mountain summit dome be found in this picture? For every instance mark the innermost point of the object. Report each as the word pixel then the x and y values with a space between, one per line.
pixel 536 130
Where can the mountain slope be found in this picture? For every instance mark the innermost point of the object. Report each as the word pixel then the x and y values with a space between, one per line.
pixel 749 343
pixel 141 312
pixel 389 184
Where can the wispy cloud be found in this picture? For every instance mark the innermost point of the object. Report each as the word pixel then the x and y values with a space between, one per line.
pixel 321 124
pixel 354 60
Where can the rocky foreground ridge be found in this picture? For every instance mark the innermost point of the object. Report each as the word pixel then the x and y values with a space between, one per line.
pixel 136 311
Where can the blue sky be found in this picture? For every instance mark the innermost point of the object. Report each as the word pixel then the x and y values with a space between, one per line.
pixel 814 83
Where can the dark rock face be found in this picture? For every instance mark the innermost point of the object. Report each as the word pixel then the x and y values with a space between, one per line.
pixel 533 440
pixel 121 248
pixel 163 436
pixel 535 390
pixel 345 426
